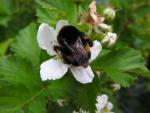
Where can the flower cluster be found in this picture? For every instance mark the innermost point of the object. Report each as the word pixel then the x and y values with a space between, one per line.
pixel 96 21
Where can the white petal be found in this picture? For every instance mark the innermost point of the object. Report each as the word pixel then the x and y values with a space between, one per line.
pixel 95 50
pixel 46 37
pixel 81 74
pixel 101 102
pixel 53 69
pixel 113 39
pixel 109 106
pixel 60 24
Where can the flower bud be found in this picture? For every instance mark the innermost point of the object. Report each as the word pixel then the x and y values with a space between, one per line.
pixel 105 26
pixel 110 38
pixel 109 13
pixel 98 73
pixel 116 87
pixel 61 102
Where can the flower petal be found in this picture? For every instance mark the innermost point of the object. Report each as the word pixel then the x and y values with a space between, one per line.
pixel 53 69
pixel 109 106
pixel 95 50
pixel 60 24
pixel 101 102
pixel 46 37
pixel 81 74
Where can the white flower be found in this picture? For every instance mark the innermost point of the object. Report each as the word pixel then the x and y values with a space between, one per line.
pixel 55 68
pixel 103 105
pixel 109 13
pixel 110 38
pixel 101 102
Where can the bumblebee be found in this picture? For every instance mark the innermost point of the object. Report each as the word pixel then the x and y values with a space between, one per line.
pixel 74 46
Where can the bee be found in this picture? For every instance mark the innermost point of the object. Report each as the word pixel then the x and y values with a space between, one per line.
pixel 74 46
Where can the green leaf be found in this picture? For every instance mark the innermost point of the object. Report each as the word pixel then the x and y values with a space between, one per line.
pixel 123 78
pixel 14 99
pixel 50 11
pixel 6 11
pixel 37 106
pixel 4 46
pixel 85 96
pixel 17 71
pixel 62 88
pixel 26 45
pixel 118 62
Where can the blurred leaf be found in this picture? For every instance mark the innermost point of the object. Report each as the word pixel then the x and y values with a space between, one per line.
pixel 4 46
pixel 26 45
pixel 6 9
pixel 125 79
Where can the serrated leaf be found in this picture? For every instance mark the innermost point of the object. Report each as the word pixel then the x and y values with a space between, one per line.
pixel 18 71
pixel 50 11
pixel 26 45
pixel 118 62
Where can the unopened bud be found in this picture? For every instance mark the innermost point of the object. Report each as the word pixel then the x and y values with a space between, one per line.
pixel 105 26
pixel 98 73
pixel 110 38
pixel 61 102
pixel 109 13
pixel 116 87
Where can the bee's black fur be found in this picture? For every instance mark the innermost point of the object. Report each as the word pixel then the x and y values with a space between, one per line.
pixel 72 46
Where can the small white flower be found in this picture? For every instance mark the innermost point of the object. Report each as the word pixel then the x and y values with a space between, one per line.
pixel 103 105
pixel 55 68
pixel 109 13
pixel 110 38
pixel 101 102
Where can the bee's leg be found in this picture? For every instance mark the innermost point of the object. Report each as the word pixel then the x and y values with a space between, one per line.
pixel 58 50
